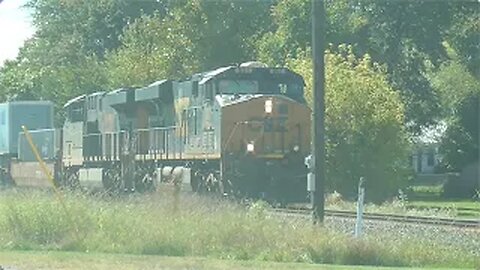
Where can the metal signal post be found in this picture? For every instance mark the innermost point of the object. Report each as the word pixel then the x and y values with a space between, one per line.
pixel 318 50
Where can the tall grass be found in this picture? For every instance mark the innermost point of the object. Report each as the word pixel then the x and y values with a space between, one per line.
pixel 201 226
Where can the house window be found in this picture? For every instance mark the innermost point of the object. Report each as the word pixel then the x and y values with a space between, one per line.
pixel 430 159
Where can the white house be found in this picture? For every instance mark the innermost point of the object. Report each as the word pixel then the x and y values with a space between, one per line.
pixel 426 156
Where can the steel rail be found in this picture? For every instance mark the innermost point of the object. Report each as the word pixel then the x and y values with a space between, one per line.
pixel 453 222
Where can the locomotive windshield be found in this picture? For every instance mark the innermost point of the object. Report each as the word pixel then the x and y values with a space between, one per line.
pixel 238 86
pixel 291 89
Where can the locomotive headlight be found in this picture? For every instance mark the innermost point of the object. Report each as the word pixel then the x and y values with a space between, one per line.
pixel 268 106
pixel 250 147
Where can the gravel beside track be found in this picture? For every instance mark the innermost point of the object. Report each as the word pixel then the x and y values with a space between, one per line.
pixel 465 239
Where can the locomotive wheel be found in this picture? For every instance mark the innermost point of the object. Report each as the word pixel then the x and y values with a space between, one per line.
pixel 5 178
pixel 144 180
pixel 71 178
pixel 213 183
pixel 112 180
pixel 196 181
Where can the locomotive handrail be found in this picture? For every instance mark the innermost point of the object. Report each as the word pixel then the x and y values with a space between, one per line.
pixel 157 128
pixel 157 140
pixel 39 130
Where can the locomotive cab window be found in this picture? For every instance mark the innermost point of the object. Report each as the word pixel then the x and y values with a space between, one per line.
pixel 238 86
pixel 195 89
pixel 294 90
pixel 75 114
pixel 195 121
pixel 209 91
pixel 2 118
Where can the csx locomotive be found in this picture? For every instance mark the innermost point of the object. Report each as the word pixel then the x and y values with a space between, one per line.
pixel 237 130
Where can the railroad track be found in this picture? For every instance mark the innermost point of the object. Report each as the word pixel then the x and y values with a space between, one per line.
pixel 463 223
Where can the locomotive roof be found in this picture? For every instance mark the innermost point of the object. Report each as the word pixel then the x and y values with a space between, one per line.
pixel 119 97
pixel 81 97
pixel 154 90
pixel 207 76
pixel 228 100
pixel 238 71
pixel 73 100
pixel 157 83
pixel 119 90
pixel 26 102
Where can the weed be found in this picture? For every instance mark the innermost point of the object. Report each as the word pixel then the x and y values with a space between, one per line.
pixel 200 227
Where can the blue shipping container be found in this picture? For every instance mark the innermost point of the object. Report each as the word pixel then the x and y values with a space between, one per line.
pixel 47 142
pixel 13 115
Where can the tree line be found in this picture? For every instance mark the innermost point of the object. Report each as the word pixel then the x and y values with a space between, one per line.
pixel 393 67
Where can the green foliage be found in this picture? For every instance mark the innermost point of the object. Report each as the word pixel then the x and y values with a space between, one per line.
pixel 175 38
pixel 406 36
pixel 35 75
pixel 64 58
pixel 93 27
pixel 151 50
pixel 205 35
pixel 460 144
pixel 460 92
pixel 292 32
pixel 464 35
pixel 364 125
pixel 201 227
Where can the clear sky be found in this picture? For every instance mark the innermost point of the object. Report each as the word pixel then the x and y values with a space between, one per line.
pixel 15 28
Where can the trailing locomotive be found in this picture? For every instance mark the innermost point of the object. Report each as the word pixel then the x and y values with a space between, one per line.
pixel 237 130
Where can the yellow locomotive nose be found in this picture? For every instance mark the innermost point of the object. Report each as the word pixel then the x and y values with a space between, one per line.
pixel 267 125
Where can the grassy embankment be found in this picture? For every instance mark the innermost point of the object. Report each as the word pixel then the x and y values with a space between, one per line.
pixel 201 227
pixel 102 261
pixel 428 196
pixel 437 207
pixel 424 199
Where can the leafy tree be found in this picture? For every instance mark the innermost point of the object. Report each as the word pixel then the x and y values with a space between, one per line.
pixel 464 35
pixel 460 92
pixel 194 35
pixel 460 145
pixel 365 134
pixel 94 27
pixel 229 30
pixel 406 36
pixel 64 58
pixel 33 75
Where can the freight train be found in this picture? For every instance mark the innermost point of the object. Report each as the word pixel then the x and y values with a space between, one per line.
pixel 238 130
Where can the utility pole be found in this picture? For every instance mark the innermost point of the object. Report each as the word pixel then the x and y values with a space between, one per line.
pixel 318 51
